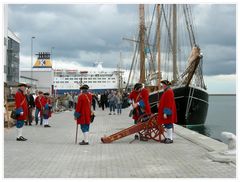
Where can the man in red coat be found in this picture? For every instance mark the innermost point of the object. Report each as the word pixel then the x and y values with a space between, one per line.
pixel 140 103
pixel 39 107
pixel 167 114
pixel 21 110
pixel 83 112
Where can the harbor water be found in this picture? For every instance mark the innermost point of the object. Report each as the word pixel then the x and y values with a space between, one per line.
pixel 221 117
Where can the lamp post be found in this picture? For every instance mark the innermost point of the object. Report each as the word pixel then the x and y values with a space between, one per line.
pixel 32 60
pixel 54 87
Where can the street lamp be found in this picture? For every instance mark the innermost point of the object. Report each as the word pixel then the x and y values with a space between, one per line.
pixel 32 60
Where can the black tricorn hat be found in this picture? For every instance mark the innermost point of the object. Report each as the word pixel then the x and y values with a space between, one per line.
pixel 138 86
pixel 46 93
pixel 86 87
pixel 22 84
pixel 166 82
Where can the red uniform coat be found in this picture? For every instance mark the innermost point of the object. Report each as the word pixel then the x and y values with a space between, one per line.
pixel 136 97
pixel 167 103
pixel 19 97
pixel 45 101
pixel 38 102
pixel 84 108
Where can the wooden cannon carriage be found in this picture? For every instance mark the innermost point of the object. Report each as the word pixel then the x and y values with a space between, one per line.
pixel 146 126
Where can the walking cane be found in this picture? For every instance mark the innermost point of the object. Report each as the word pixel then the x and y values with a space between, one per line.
pixel 76 134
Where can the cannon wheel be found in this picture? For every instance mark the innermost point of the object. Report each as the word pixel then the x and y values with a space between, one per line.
pixel 153 130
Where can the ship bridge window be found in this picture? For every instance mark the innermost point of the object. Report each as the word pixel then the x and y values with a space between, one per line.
pixel 113 78
pixel 61 81
pixel 75 81
pixel 99 82
pixel 76 78
pixel 66 78
pixel 104 81
pixel 66 81
pixel 71 78
pixel 113 81
pixel 57 81
pixel 90 78
pixel 94 81
pixel 89 81
pixel 94 78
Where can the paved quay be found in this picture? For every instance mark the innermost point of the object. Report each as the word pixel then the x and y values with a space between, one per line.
pixel 51 152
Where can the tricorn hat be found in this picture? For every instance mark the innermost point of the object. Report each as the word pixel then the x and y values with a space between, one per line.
pixel 166 82
pixel 46 93
pixel 22 84
pixel 84 87
pixel 138 86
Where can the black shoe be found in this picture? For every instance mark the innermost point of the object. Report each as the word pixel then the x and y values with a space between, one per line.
pixel 47 125
pixel 36 123
pixel 136 137
pixel 168 141
pixel 163 141
pixel 83 143
pixel 30 124
pixel 21 138
pixel 40 123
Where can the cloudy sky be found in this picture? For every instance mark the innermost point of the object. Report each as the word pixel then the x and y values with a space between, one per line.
pixel 84 33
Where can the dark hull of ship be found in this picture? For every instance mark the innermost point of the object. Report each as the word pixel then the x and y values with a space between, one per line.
pixel 191 103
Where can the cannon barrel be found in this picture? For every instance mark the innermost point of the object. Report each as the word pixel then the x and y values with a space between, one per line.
pixel 126 132
pixel 146 125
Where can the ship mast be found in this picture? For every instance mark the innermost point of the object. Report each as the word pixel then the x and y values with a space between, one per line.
pixel 142 46
pixel 174 50
pixel 158 46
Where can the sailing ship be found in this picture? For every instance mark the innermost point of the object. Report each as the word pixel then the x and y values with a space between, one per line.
pixel 165 50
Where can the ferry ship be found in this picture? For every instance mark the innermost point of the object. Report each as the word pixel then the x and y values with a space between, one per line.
pixel 99 79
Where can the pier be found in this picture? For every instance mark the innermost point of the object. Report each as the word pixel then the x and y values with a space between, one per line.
pixel 52 153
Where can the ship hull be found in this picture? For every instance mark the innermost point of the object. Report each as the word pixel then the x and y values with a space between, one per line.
pixel 191 103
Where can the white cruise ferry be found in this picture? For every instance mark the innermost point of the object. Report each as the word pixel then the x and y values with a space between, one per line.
pixel 97 78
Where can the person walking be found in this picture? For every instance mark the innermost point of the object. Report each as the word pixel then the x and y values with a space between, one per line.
pixel 119 103
pixel 82 113
pixel 103 100
pixel 21 106
pixel 112 102
pixel 167 112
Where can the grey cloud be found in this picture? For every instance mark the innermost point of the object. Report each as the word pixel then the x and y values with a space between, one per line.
pixel 83 32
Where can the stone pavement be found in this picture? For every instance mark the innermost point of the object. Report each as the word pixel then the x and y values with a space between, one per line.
pixel 51 153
